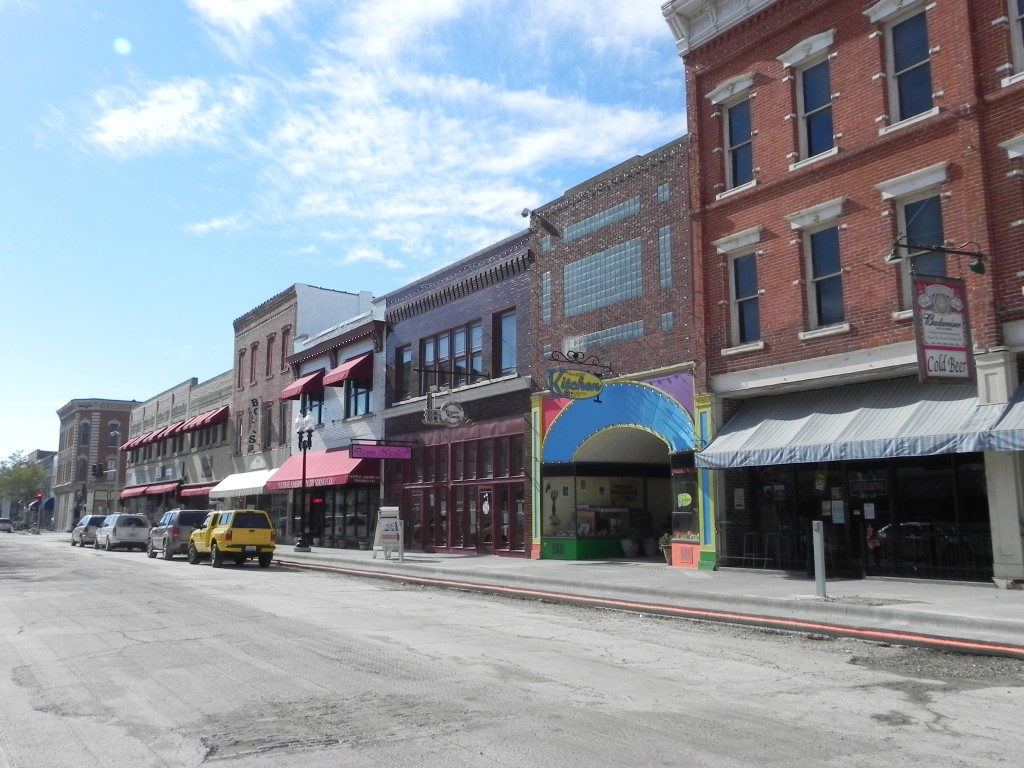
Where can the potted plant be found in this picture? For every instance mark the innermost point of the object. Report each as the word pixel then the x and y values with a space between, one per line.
pixel 665 542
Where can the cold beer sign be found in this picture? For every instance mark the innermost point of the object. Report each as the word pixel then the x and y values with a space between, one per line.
pixel 944 351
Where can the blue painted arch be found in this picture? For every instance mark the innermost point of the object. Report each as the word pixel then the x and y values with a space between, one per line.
pixel 628 404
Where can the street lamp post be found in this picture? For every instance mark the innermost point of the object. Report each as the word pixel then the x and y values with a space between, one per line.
pixel 115 437
pixel 304 426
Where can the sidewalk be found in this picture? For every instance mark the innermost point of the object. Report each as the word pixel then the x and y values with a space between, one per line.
pixel 956 616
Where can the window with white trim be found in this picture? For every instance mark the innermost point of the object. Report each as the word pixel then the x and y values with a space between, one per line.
pixel 739 144
pixel 909 67
pixel 921 226
pixel 746 317
pixel 814 104
pixel 824 277
pixel 1017 34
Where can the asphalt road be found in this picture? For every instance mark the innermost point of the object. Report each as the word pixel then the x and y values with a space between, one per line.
pixel 113 659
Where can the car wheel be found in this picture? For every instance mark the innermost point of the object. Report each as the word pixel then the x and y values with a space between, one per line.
pixel 193 554
pixel 265 559
pixel 72 542
pixel 216 558
pixel 168 553
pixel 150 552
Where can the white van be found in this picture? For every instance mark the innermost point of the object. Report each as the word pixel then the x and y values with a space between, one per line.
pixel 126 531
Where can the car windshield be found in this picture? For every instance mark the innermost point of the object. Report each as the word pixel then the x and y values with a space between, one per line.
pixel 133 522
pixel 191 518
pixel 250 520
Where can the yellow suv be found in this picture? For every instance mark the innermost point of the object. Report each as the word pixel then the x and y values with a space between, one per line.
pixel 235 533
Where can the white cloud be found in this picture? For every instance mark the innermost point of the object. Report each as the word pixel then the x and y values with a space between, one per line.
pixel 173 114
pixel 382 28
pixel 367 255
pixel 236 25
pixel 227 222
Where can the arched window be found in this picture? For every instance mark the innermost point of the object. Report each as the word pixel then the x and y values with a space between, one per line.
pixel 84 433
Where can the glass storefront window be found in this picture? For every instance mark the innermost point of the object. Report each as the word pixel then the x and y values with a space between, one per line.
pixel 470 460
pixel 486 458
pixel 516 455
pixel 457 461
pixel 501 469
pixel 441 463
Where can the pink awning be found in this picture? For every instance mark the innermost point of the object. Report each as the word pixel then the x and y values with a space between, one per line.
pixel 156 490
pixel 313 384
pixel 324 468
pixel 196 490
pixel 129 493
pixel 357 368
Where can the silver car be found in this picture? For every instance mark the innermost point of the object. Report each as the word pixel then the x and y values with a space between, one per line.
pixel 123 531
pixel 6 526
pixel 169 537
pixel 85 529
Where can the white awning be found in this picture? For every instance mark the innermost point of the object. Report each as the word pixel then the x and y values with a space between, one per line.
pixel 1008 433
pixel 874 420
pixel 242 484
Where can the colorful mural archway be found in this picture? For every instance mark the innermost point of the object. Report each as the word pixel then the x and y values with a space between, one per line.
pixel 629 404
pixel 616 467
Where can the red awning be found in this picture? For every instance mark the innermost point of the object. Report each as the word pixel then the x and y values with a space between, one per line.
pixel 129 493
pixel 130 444
pixel 324 468
pixel 357 368
pixel 313 384
pixel 196 490
pixel 217 417
pixel 156 490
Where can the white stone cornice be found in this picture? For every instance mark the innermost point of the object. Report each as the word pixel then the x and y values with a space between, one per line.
pixel 731 87
pixel 738 241
pixel 909 183
pixel 1014 147
pixel 816 214
pixel 886 9
pixel 807 49
pixel 695 22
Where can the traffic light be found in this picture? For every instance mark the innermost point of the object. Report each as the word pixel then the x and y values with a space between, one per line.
pixel 98 470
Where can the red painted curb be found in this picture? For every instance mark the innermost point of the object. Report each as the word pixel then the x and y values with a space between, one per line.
pixel 749 619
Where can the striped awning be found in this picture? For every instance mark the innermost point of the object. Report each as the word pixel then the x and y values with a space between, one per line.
pixel 874 420
pixel 1008 433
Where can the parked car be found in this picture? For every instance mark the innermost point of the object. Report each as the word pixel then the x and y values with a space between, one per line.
pixel 6 525
pixel 84 531
pixel 238 534
pixel 123 531
pixel 170 535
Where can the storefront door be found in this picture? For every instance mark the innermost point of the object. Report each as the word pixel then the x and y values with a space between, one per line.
pixel 485 525
pixel 413 513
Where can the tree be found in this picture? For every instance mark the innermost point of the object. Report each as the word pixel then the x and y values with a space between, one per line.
pixel 21 479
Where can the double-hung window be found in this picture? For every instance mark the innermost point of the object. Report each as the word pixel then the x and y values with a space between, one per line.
pixel 746 317
pixel 815 104
pixel 825 278
pixel 733 99
pixel 452 358
pixel 919 214
pixel 744 294
pixel 508 340
pixel 908 57
pixel 809 61
pixel 1017 36
pixel 823 264
pixel 403 373
pixel 739 140
pixel 357 397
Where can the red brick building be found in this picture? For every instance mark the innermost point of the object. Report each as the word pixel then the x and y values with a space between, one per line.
pixel 823 134
pixel 613 289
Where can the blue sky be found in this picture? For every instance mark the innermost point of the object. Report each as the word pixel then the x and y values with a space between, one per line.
pixel 167 165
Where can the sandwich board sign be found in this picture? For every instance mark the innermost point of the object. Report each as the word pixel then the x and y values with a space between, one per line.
pixel 388 533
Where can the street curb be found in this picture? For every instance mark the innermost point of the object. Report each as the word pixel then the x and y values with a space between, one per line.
pixel 826 618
